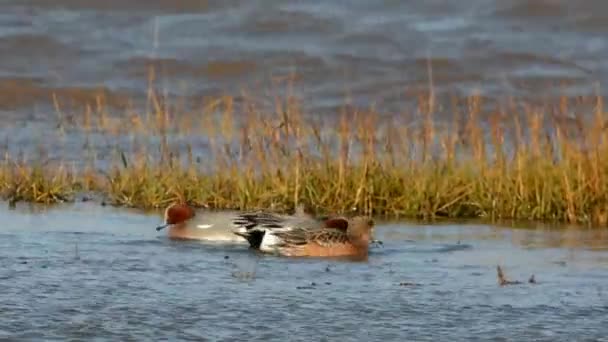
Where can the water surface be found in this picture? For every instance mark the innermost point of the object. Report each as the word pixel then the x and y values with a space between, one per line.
pixel 373 51
pixel 60 56
pixel 86 272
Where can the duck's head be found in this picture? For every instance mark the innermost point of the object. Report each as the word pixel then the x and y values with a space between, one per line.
pixel 177 213
pixel 337 222
pixel 360 228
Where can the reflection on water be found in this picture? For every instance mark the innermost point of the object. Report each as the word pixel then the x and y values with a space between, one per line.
pixel 84 271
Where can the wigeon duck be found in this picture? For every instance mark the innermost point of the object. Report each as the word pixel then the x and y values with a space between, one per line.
pixel 184 224
pixel 335 237
pixel 257 226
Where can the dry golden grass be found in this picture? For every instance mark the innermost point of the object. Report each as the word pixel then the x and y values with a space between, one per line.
pixel 532 162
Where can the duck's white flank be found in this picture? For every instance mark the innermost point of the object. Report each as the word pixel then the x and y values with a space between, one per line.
pixel 204 226
pixel 269 242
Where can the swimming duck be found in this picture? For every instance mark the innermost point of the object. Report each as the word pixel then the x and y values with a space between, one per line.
pixel 258 226
pixel 185 223
pixel 335 237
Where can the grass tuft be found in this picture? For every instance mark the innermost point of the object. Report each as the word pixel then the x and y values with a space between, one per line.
pixel 526 162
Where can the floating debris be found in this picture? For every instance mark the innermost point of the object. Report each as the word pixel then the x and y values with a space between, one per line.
pixel 307 287
pixel 448 248
pixel 502 279
pixel 243 275
pixel 312 286
pixel 407 283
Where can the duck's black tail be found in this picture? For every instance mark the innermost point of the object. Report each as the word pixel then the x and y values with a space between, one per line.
pixel 252 226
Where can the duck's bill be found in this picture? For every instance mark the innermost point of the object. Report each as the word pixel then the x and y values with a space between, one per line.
pixel 159 228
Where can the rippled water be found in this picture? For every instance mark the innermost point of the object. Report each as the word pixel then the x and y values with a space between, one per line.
pixel 374 51
pixel 84 271
pixel 379 53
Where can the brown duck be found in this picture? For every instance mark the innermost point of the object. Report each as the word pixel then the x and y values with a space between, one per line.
pixel 336 237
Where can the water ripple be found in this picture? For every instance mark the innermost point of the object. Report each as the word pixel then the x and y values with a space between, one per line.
pixel 146 287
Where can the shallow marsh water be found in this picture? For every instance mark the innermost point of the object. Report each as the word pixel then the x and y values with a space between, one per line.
pixel 86 272
pixel 373 50
pixel 364 53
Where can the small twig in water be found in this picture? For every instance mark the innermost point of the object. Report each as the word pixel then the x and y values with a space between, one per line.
pixel 307 287
pixel 407 283
pixel 502 280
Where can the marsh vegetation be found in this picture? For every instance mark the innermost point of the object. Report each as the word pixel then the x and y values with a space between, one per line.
pixel 514 160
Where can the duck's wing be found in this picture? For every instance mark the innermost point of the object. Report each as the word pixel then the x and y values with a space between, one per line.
pixel 328 237
pixel 264 220
pixel 301 236
pixel 257 220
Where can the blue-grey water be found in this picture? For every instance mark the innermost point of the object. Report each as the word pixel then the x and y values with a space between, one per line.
pixel 372 51
pixel 65 58
pixel 84 272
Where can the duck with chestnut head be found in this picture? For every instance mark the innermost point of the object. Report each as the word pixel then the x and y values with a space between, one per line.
pixel 184 223
pixel 257 228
